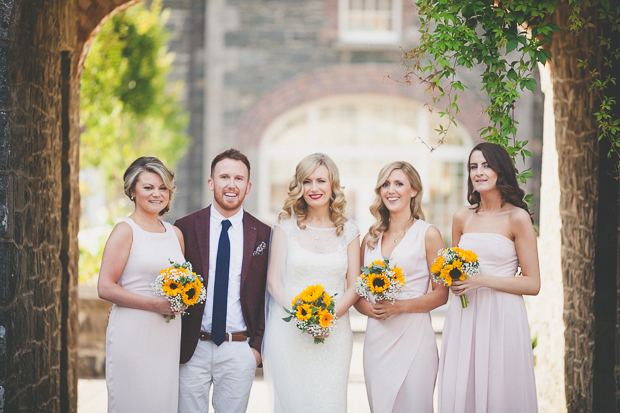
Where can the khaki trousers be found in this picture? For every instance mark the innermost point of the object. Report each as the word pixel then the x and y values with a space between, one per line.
pixel 230 367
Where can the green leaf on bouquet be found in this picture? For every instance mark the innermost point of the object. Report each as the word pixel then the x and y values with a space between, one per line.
pixel 287 319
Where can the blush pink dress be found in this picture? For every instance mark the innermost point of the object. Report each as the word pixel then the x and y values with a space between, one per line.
pixel 486 360
pixel 400 353
pixel 142 350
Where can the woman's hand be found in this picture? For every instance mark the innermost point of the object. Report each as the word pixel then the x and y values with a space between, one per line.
pixel 161 305
pixel 383 309
pixel 470 284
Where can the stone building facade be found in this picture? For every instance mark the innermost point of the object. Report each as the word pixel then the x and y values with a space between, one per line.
pixel 252 68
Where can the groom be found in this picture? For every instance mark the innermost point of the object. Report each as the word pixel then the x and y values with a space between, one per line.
pixel 221 338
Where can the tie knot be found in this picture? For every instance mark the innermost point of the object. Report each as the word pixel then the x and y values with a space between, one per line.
pixel 225 225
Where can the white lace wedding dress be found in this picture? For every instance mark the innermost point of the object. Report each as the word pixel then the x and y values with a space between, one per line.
pixel 304 376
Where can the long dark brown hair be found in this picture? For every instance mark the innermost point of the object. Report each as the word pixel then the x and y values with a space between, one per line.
pixel 499 161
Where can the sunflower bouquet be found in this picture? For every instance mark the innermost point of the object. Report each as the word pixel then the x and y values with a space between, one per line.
pixel 455 264
pixel 381 280
pixel 181 286
pixel 313 311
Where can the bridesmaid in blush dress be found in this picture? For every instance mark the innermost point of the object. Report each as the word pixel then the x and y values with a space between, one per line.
pixel 142 350
pixel 400 352
pixel 486 360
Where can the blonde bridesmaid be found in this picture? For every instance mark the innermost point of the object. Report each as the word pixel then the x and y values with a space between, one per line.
pixel 400 352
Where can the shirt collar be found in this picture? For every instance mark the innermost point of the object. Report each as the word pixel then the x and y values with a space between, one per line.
pixel 236 220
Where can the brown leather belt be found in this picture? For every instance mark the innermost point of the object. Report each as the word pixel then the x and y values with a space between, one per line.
pixel 239 336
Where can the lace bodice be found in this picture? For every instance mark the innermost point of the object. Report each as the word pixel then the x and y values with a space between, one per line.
pixel 317 256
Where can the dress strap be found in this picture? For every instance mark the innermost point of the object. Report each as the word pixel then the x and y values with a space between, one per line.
pixel 138 233
pixel 131 223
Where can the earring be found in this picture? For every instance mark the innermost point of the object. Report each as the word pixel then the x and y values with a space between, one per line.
pixel 131 198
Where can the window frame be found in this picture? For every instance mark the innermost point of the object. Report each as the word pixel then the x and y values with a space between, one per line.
pixel 370 37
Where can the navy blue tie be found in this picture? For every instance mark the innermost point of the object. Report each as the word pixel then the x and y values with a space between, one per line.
pixel 220 290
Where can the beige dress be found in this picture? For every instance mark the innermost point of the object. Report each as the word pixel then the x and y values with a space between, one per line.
pixel 400 353
pixel 142 350
pixel 486 362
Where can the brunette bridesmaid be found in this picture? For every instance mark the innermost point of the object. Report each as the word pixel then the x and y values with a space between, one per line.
pixel 486 356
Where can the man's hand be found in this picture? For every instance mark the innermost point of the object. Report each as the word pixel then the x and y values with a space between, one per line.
pixel 257 356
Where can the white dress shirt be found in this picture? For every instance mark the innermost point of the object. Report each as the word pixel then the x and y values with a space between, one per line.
pixel 234 315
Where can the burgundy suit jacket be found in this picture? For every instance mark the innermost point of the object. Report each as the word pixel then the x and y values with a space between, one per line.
pixel 196 228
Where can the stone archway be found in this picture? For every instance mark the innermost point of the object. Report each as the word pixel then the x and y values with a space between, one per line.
pixel 341 80
pixel 42 44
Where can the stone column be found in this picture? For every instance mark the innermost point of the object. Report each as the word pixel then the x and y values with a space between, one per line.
pixel 546 310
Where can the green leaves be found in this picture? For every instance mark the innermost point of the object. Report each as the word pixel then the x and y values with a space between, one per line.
pixel 506 38
pixel 128 109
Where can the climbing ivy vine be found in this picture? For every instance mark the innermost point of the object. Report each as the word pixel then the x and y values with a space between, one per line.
pixel 507 39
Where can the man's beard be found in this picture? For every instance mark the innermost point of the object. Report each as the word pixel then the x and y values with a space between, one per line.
pixel 220 200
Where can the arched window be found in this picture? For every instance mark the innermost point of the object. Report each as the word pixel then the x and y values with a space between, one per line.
pixel 362 133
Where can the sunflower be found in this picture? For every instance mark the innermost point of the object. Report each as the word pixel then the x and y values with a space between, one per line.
pixel 325 318
pixel 190 293
pixel 452 272
pixel 469 256
pixel 438 265
pixel 312 293
pixel 304 312
pixel 398 275
pixel 327 299
pixel 379 263
pixel 171 287
pixel 295 300
pixel 378 283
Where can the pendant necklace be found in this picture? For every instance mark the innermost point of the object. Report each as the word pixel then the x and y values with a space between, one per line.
pixel 403 233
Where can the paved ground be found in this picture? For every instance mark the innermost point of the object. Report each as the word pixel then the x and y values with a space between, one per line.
pixel 92 394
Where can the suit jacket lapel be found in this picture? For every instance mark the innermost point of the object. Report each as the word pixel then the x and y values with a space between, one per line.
pixel 203 229
pixel 249 239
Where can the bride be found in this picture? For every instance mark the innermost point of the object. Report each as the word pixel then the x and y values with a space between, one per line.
pixel 313 243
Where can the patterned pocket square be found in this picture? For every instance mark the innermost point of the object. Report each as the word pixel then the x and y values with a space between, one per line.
pixel 259 250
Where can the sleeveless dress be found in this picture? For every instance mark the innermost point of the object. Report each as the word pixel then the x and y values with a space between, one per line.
pixel 142 350
pixel 303 376
pixel 486 360
pixel 400 353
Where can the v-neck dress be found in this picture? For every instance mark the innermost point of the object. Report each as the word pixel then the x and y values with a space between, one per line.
pixel 400 353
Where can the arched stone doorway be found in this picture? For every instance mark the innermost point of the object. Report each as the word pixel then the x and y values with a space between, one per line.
pixel 362 133
pixel 42 44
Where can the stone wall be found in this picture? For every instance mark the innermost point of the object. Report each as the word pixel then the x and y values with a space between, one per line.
pixel 41 43
pixel 254 47
pixel 93 323
pixel 38 188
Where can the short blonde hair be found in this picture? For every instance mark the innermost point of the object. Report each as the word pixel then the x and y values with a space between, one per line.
pixel 296 205
pixel 149 164
pixel 378 209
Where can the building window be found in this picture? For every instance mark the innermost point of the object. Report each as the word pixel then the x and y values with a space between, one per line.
pixel 370 21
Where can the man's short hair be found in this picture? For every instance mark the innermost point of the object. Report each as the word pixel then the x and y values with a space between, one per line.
pixel 233 154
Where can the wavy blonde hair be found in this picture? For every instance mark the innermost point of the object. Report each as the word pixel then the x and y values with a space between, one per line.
pixel 378 209
pixel 295 204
